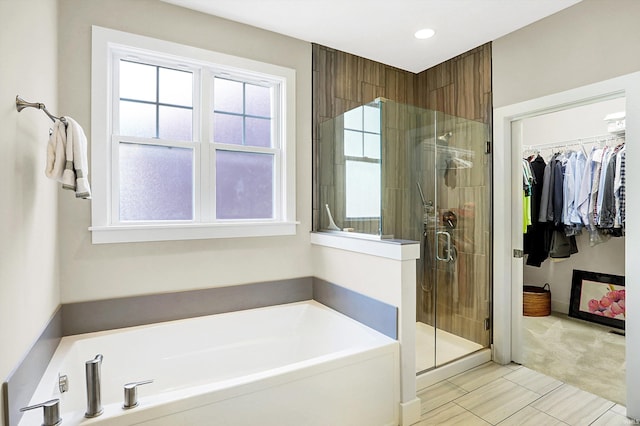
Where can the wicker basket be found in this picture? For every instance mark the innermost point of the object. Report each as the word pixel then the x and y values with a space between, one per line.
pixel 536 301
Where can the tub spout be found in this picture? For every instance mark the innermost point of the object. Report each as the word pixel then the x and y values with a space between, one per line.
pixel 94 402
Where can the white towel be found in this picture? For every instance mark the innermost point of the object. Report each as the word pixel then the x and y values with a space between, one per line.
pixel 76 172
pixel 56 155
pixel 67 157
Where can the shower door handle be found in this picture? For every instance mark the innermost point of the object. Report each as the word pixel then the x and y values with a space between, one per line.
pixel 447 250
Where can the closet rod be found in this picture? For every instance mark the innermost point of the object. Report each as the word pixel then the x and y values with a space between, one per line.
pixel 22 104
pixel 590 139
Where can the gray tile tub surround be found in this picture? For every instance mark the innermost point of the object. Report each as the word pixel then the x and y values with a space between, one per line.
pixel 86 317
pixel 23 380
pixel 369 311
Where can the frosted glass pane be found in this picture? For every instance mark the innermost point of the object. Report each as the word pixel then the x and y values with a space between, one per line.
pixel 137 81
pixel 156 183
pixel 257 132
pixel 257 100
pixel 175 123
pixel 137 119
pixel 227 95
pixel 176 87
pixel 371 146
pixel 352 143
pixel 244 185
pixel 371 119
pixel 353 119
pixel 362 189
pixel 227 129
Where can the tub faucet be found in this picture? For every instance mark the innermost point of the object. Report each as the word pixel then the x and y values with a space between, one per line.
pixel 92 370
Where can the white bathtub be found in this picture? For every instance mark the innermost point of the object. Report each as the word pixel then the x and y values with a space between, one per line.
pixel 296 364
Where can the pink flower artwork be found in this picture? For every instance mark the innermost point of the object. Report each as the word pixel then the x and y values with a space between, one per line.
pixel 611 305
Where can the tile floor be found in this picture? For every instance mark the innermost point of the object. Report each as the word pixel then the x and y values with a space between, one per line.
pixel 512 395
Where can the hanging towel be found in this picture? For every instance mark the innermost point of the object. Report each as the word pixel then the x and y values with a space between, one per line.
pixel 56 155
pixel 67 157
pixel 76 173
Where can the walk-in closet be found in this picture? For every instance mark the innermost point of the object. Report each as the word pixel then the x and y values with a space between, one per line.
pixel 573 191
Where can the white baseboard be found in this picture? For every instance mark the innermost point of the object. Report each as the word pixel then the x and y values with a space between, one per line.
pixel 410 412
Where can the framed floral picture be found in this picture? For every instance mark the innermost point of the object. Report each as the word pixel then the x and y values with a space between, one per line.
pixel 598 298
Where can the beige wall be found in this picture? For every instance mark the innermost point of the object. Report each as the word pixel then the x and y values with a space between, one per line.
pixel 90 272
pixel 29 290
pixel 592 41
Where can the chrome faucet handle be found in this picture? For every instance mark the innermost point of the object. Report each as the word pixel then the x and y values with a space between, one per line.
pixel 51 412
pixel 131 393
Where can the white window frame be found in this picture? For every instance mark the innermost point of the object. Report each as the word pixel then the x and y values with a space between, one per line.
pixel 362 159
pixel 108 46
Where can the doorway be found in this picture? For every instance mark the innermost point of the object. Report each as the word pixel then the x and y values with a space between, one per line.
pixel 507 269
pixel 575 137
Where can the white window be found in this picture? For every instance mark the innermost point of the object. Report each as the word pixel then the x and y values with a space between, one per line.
pixel 188 143
pixel 362 162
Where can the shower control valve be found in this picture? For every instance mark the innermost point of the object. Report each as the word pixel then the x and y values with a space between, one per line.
pixel 450 219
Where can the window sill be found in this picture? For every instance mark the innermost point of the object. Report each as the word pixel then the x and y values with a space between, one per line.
pixel 142 233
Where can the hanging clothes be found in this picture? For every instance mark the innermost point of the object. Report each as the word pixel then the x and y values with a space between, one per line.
pixel 536 239
pixel 527 184
pixel 573 191
pixel 619 189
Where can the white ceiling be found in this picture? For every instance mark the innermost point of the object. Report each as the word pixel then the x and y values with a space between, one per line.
pixel 382 30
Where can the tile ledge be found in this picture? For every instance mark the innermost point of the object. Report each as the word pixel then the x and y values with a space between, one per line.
pixel 387 248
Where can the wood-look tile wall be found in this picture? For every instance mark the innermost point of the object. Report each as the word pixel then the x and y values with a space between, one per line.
pixel 341 82
pixel 460 87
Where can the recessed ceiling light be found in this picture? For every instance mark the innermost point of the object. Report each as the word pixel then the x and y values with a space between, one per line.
pixel 424 33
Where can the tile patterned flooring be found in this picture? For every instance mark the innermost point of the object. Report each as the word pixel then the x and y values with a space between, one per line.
pixel 513 395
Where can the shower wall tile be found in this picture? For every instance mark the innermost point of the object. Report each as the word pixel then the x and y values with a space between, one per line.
pixel 372 72
pixel 467 105
pixel 473 219
pixel 370 91
pixel 396 81
pixel 347 67
pixel 459 86
pixel 341 82
pixel 462 305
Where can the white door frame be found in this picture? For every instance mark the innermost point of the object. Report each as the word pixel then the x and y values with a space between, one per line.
pixel 507 220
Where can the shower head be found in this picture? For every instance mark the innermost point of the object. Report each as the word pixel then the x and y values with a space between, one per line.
pixel 445 137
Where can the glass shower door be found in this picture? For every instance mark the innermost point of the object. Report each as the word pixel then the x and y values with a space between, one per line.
pixel 449 187
pixel 461 294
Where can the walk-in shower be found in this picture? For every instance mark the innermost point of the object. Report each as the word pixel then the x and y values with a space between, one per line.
pixel 391 170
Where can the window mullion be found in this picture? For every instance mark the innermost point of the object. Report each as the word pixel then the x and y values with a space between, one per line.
pixel 157 102
pixel 244 113
pixel 115 180
pixel 203 94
